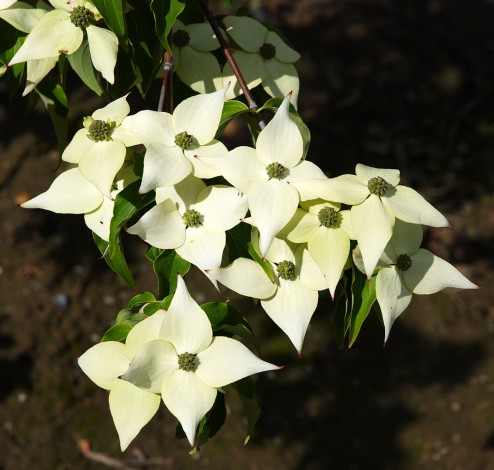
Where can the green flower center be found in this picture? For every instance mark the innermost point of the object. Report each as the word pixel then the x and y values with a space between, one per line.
pixel 328 217
pixel 377 186
pixel 180 38
pixel 267 50
pixel 286 270
pixel 80 16
pixel 275 170
pixel 101 130
pixel 404 262
pixel 192 218
pixel 184 140
pixel 187 362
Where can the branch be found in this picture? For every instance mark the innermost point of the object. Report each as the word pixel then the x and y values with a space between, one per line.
pixel 167 83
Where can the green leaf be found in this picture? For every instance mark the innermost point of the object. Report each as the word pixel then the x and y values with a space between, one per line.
pixel 342 313
pixel 366 299
pixel 116 260
pixel 80 61
pixel 117 332
pixel 245 391
pixel 55 101
pixel 167 264
pixel 140 299
pixel 165 13
pixel 274 103
pixel 11 41
pixel 231 110
pixel 113 13
pixel 211 423
pixel 237 239
pixel 225 318
pixel 265 265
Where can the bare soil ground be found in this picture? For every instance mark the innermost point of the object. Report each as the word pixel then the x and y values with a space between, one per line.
pixel 395 83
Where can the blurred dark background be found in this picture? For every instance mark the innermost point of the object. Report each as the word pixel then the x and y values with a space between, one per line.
pixel 402 84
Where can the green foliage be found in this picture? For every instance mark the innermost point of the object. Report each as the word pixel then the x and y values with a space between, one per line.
pixel 113 13
pixel 231 110
pixel 245 391
pixel 165 13
pixel 80 61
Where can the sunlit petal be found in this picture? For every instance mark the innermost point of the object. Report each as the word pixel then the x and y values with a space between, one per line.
pixel 152 127
pixel 203 248
pixel 365 173
pixel 103 47
pixel 280 80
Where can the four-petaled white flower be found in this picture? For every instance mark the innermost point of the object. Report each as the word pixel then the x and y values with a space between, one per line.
pixel 270 174
pixel 407 269
pixel 172 141
pixel 100 147
pixel 192 218
pixel 327 231
pixel 72 193
pixel 292 300
pixel 377 200
pixel 61 31
pixel 265 59
pixel 192 59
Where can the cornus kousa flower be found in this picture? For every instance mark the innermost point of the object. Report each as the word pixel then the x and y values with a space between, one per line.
pixel 72 193
pixel 172 141
pixel 291 301
pixel 265 59
pixel 192 59
pixel 61 31
pixel 377 200
pixel 100 147
pixel 192 219
pixel 407 269
pixel 327 231
pixel 272 175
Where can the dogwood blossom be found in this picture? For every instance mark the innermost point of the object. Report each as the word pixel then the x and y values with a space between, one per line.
pixel 406 269
pixel 377 199
pixel 192 59
pixel 270 174
pixel 327 231
pixel 100 147
pixel 172 141
pixel 265 59
pixel 72 193
pixel 61 31
pixel 192 218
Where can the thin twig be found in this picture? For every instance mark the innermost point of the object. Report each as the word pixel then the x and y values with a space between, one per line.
pixel 229 57
pixel 166 84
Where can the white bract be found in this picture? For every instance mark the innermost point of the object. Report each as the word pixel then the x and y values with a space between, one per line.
pixel 192 219
pixel 265 59
pixel 327 231
pixel 172 141
pixel 407 269
pixel 192 59
pixel 100 147
pixel 377 200
pixel 72 193
pixel 270 174
pixel 61 31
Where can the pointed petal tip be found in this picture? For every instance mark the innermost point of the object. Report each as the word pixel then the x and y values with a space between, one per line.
pixel 290 94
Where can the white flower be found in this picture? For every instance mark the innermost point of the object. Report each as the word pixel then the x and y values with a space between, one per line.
pixel 61 31
pixel 377 200
pixel 100 147
pixel 406 270
pixel 172 141
pixel 192 218
pixel 292 300
pixel 327 231
pixel 192 59
pixel 72 193
pixel 134 398
pixel 270 174
pixel 265 59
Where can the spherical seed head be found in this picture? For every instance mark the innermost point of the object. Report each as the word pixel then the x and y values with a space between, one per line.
pixel 377 186
pixel 80 16
pixel 101 130
pixel 183 140
pixel 187 362
pixel 192 218
pixel 180 38
pixel 286 270
pixel 328 217
pixel 268 51
pixel 404 262
pixel 275 170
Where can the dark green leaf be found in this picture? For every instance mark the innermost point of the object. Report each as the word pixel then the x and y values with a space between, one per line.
pixel 11 41
pixel 367 298
pixel 245 390
pixel 342 313
pixel 265 265
pixel 165 13
pixel 80 61
pixel 211 423
pixel 237 239
pixel 231 110
pixel 116 260
pixel 167 264
pixel 113 13
pixel 117 332
pixel 140 299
